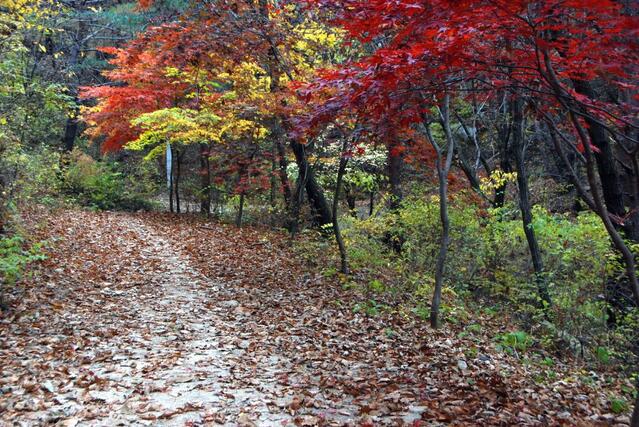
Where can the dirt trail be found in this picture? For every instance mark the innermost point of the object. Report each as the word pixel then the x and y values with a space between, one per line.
pixel 157 356
pixel 152 343
pixel 170 366
pixel 166 321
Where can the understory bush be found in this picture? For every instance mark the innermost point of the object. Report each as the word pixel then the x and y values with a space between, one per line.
pixel 489 259
pixel 41 176
pixel 104 186
pixel 15 255
pixel 27 176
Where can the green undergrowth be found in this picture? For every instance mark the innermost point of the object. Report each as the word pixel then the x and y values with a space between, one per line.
pixel 16 255
pixel 105 185
pixel 45 176
pixel 489 273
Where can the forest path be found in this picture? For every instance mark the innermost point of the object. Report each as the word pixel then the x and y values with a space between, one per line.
pixel 151 341
pixel 145 319
pixel 135 335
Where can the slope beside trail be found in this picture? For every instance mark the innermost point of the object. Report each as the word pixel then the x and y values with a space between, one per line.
pixel 142 319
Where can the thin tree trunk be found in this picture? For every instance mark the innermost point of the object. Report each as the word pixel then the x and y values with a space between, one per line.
pixel 276 68
pixel 296 205
pixel 171 189
pixel 71 127
pixel 240 211
pixel 435 321
pixel 313 189
pixel 70 132
pixel 297 200
pixel 395 164
pixel 611 186
pixel 464 164
pixel 568 165
pixel 211 190
pixel 205 180
pixel 635 414
pixel 343 161
pixel 504 132
pixel 628 256
pixel 178 174
pixel 371 204
pixel 351 202
pixel 283 171
pixel 443 168
pixel 471 174
pixel 519 151
pixel 273 193
pixel 632 223
pixel 599 201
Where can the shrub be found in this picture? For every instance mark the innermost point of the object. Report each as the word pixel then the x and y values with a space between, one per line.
pixel 619 405
pixel 101 185
pixel 515 341
pixel 15 256
pixel 26 177
pixel 489 258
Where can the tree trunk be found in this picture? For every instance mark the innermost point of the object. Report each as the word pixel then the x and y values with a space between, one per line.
pixel 598 200
pixel 351 202
pixel 611 184
pixel 273 193
pixel 313 189
pixel 171 190
pixel 296 205
pixel 602 211
pixel 72 124
pixel 504 132
pixel 205 181
pixel 519 151
pixel 343 161
pixel 635 414
pixel 395 163
pixel 240 212
pixel 70 132
pixel 371 204
pixel 435 321
pixel 283 171
pixel 178 174
pixel 567 164
pixel 443 168
pixel 632 223
pixel 469 171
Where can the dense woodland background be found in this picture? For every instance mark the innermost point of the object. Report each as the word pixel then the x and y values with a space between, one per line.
pixel 447 160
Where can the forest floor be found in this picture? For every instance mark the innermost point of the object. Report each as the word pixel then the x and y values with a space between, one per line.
pixel 150 319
